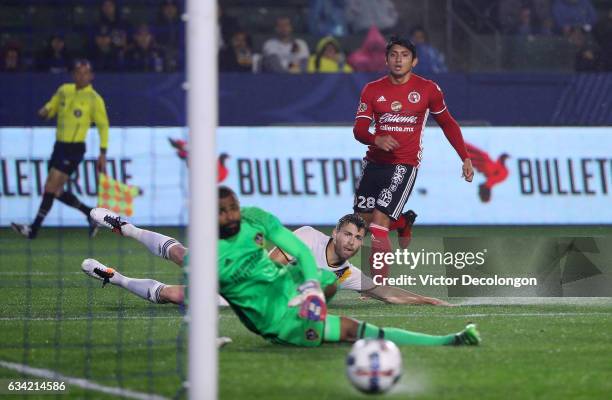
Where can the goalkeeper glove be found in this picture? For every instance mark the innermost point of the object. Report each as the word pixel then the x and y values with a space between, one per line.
pixel 311 301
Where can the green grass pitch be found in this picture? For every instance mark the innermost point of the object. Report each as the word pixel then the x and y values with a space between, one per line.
pixel 52 316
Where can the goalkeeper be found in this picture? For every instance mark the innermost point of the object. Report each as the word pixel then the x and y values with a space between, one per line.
pixel 283 304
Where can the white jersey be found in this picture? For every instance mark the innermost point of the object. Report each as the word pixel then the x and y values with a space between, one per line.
pixel 349 276
pixel 292 52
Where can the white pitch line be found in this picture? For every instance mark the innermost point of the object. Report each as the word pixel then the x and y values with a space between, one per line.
pixel 553 314
pixel 37 273
pixel 41 273
pixel 407 315
pixel 536 301
pixel 95 318
pixel 80 382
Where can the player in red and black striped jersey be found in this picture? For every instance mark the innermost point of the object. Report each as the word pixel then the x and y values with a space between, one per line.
pixel 399 105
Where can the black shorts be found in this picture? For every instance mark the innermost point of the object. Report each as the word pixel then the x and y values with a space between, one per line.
pixel 66 157
pixel 385 187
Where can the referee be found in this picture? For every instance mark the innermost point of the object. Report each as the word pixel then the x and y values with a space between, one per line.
pixel 76 106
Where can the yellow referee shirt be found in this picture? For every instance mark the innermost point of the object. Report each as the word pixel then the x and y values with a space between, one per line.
pixel 75 110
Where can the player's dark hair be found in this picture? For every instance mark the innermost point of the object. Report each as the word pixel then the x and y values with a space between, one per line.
pixel 400 41
pixel 354 219
pixel 224 192
pixel 81 62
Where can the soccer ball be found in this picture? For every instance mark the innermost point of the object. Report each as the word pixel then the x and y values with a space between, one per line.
pixel 374 365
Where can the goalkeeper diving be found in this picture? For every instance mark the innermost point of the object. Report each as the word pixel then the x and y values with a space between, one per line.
pixel 285 304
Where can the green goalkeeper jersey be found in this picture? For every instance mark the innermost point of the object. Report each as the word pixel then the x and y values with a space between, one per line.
pixel 257 288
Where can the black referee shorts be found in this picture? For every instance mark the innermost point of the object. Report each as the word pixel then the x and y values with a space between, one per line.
pixel 385 187
pixel 66 157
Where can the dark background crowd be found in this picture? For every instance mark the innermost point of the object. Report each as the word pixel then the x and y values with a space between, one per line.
pixel 310 36
pixel 116 36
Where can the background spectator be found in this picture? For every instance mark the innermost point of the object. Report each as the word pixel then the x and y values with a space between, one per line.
pixel 226 25
pixel 169 34
pixel 168 25
pixel 588 57
pixel 603 34
pixel 329 57
pixel 284 53
pixel 508 13
pixel 327 17
pixel 102 54
pixel 11 59
pixel 526 22
pixel 144 55
pixel 547 27
pixel 430 59
pixel 238 56
pixel 363 14
pixel 54 58
pixel 529 18
pixel 370 57
pixel 573 13
pixel 118 28
pixel 542 11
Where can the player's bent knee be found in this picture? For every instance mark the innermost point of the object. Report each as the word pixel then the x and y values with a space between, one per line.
pixel 50 193
pixel 380 218
pixel 53 187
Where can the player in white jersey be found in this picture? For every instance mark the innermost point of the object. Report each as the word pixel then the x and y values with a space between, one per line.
pixel 332 253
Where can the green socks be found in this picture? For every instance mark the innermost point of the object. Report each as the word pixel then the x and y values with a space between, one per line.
pixel 398 336
pixel 402 337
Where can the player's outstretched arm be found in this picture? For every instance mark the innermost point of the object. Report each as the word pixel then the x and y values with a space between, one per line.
pixel 50 108
pixel 310 297
pixel 280 256
pixel 452 131
pixel 467 170
pixel 395 295
pixel 288 243
pixel 100 118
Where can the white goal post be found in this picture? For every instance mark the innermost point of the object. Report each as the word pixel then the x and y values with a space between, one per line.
pixel 202 108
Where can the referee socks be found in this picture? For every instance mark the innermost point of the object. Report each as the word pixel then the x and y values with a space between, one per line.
pixel 43 210
pixel 71 200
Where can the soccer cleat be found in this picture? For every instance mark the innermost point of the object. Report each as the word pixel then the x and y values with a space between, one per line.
pixel 469 336
pixel 222 341
pixel 97 270
pixel 404 235
pixel 107 218
pixel 24 230
pixel 93 227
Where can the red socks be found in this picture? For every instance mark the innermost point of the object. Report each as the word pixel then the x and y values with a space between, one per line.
pixel 404 231
pixel 380 244
pixel 399 224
